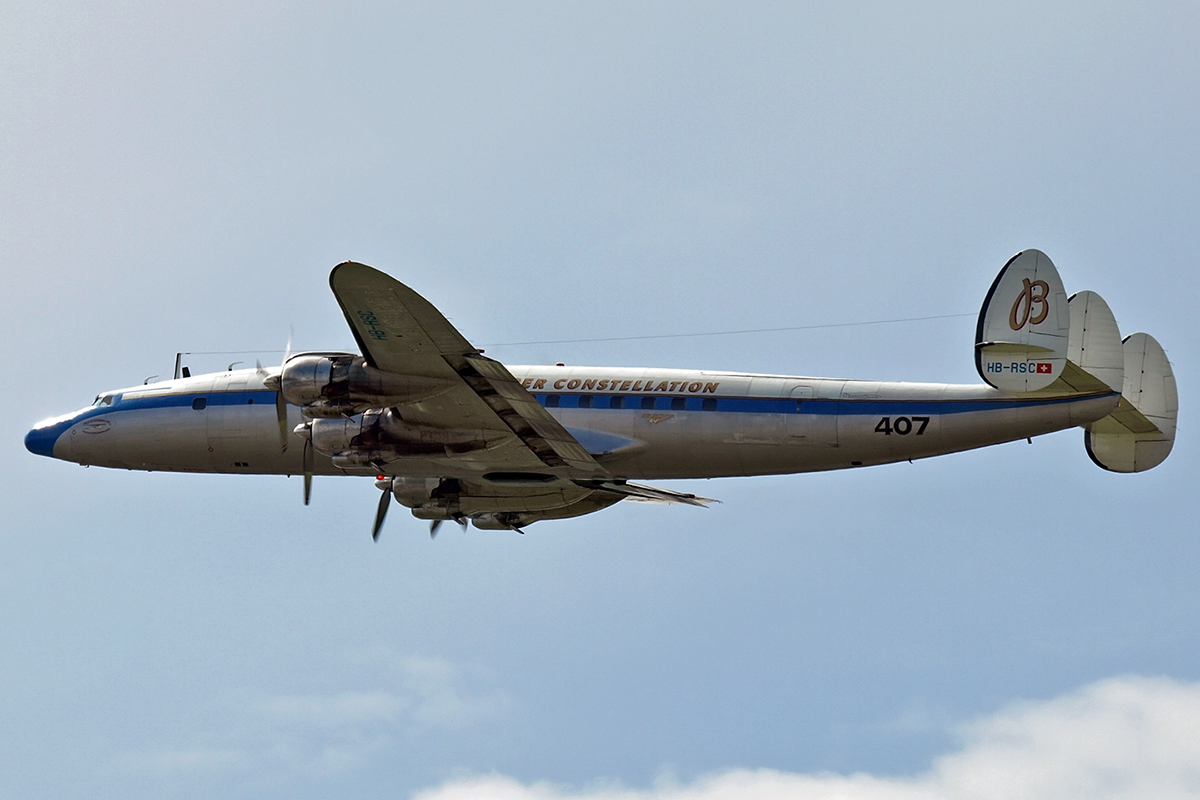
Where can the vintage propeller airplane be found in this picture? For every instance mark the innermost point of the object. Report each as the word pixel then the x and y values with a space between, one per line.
pixel 454 435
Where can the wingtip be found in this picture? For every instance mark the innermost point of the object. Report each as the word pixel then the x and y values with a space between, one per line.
pixel 348 265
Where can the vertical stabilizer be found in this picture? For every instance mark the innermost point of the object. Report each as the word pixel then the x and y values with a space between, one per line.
pixel 1021 336
pixel 1140 433
pixel 1095 341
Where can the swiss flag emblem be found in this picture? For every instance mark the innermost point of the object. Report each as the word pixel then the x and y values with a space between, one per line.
pixel 1044 368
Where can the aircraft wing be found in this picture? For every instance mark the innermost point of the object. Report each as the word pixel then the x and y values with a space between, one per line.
pixel 401 332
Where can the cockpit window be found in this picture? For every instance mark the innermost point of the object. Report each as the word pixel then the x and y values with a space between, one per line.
pixel 104 400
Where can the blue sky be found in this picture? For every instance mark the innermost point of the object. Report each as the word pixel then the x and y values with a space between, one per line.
pixel 182 179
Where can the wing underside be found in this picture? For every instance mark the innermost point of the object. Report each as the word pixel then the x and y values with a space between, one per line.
pixel 399 331
pixel 532 468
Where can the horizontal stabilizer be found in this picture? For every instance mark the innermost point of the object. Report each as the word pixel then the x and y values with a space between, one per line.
pixel 1022 333
pixel 1139 434
pixel 1075 380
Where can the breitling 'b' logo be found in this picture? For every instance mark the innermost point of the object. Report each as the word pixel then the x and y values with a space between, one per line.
pixel 1033 295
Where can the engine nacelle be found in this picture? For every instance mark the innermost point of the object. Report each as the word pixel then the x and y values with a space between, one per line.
pixel 434 511
pixel 332 384
pixel 502 521
pixel 428 498
pixel 487 505
pixel 358 459
pixel 412 492
pixel 381 434
pixel 307 379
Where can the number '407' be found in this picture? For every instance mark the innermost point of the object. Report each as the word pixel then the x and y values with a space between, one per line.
pixel 902 426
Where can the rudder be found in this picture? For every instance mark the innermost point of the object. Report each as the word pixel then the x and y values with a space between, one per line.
pixel 1139 435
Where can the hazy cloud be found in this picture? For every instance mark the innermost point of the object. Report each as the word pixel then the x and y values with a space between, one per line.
pixel 322 734
pixel 1128 738
pixel 347 708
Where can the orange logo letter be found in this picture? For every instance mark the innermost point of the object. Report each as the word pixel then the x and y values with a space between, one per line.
pixel 1029 297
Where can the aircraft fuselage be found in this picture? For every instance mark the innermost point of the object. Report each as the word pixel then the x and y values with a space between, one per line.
pixel 641 424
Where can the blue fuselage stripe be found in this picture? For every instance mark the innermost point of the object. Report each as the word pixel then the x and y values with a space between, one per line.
pixel 604 402
pixel 765 405
pixel 41 440
pixel 225 398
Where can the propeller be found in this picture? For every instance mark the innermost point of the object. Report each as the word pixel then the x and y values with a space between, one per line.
pixel 304 430
pixel 281 416
pixel 276 382
pixel 385 500
pixel 437 523
pixel 308 469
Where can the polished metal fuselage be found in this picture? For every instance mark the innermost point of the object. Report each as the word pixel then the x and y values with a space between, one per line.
pixel 641 424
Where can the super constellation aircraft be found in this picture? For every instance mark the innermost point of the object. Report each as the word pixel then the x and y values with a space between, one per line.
pixel 454 435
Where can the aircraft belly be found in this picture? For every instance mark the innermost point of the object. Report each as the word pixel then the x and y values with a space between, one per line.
pixel 978 429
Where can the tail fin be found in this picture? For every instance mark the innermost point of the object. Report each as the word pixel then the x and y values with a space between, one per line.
pixel 1095 360
pixel 1031 338
pixel 1140 433
pixel 1021 336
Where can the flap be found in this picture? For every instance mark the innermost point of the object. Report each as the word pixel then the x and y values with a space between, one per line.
pixel 647 494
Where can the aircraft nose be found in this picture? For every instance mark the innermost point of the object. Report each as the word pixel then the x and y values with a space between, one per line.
pixel 41 438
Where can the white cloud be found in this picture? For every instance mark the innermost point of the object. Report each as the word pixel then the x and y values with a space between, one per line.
pixel 440 700
pixel 1120 739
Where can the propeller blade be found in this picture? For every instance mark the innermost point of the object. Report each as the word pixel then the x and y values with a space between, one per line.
pixel 381 512
pixel 281 415
pixel 308 468
pixel 433 526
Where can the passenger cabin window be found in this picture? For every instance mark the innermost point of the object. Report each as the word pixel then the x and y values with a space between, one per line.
pixel 709 404
pixel 199 403
pixel 616 402
pixel 647 402
pixel 585 401
pixel 552 401
pixel 678 403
